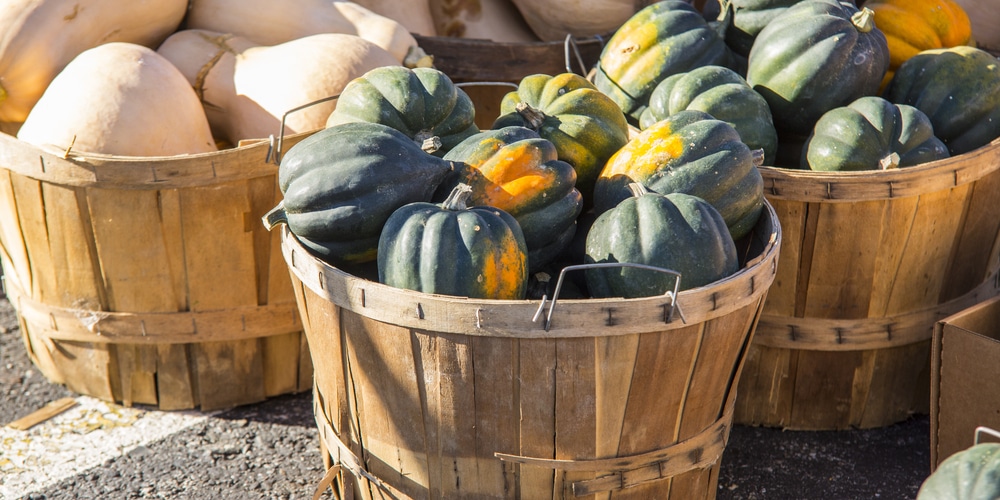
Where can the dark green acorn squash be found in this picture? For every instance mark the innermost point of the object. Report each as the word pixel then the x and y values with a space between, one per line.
pixel 722 93
pixel 585 125
pixel 971 474
pixel 689 152
pixel 422 103
pixel 517 171
pixel 871 134
pixel 342 183
pixel 677 232
pixel 748 18
pixel 815 56
pixel 662 39
pixel 958 88
pixel 451 249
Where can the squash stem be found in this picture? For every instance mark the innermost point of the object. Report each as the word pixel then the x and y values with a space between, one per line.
pixel 458 198
pixel 889 162
pixel 427 141
pixel 638 190
pixel 864 20
pixel 534 117
pixel 275 216
pixel 758 157
pixel 417 58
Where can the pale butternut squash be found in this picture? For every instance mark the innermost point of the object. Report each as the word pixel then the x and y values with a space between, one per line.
pixel 39 37
pixel 270 23
pixel 246 88
pixel 496 20
pixel 414 15
pixel 119 99
pixel 552 20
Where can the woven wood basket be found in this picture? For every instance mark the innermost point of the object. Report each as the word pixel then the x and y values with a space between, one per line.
pixel 430 396
pixel 151 280
pixel 870 261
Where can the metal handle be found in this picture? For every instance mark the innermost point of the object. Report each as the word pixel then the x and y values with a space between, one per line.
pixel 274 152
pixel 671 294
pixel 570 43
pixel 986 430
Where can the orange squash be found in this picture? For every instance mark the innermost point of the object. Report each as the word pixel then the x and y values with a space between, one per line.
pixel 913 26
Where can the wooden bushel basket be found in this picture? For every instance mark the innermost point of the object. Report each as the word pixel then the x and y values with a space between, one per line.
pixel 151 280
pixel 870 262
pixel 431 396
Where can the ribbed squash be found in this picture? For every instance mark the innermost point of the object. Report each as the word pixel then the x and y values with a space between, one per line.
pixel 958 88
pixel 722 93
pixel 676 232
pixel 663 39
pixel 517 171
pixel 496 20
pixel 913 26
pixel 422 103
pixel 748 17
pixel 451 249
pixel 342 183
pixel 815 56
pixel 585 125
pixel 552 20
pixel 689 152
pixel 870 134
pixel 971 474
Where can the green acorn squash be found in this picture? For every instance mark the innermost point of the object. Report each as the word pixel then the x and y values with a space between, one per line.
pixel 451 249
pixel 815 56
pixel 748 18
pixel 870 134
pixel 722 93
pixel 517 171
pixel 971 474
pixel 422 103
pixel 585 125
pixel 958 88
pixel 342 183
pixel 663 39
pixel 677 232
pixel 689 152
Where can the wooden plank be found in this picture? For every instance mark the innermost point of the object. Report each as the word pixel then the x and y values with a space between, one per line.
pixel 494 363
pixel 615 360
pixel 781 295
pixel 897 222
pixel 15 256
pixel 32 220
pixel 824 384
pixel 766 386
pixel 281 363
pixel 537 430
pixel 137 373
pixel 575 404
pixel 896 387
pixel 42 414
pixel 975 250
pixel 174 372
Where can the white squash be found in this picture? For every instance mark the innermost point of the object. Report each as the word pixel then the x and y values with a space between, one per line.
pixel 496 20
pixel 119 99
pixel 552 20
pixel 414 15
pixel 247 88
pixel 39 37
pixel 269 22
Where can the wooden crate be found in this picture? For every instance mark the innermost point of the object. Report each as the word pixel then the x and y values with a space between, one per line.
pixel 430 396
pixel 870 262
pixel 151 280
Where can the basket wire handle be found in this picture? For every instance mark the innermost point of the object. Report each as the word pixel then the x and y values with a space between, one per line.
pixel 484 84
pixel 274 152
pixel 985 430
pixel 671 294
pixel 570 43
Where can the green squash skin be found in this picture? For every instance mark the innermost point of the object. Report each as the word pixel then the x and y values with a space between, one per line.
pixel 860 135
pixel 662 39
pixel 585 125
pixel 548 220
pixel 342 183
pixel 811 59
pixel 678 232
pixel 958 89
pixel 715 165
pixel 722 93
pixel 971 474
pixel 432 249
pixel 419 102
pixel 748 18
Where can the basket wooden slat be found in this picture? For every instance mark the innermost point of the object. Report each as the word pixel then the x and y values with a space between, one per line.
pixel 444 397
pixel 870 262
pixel 134 278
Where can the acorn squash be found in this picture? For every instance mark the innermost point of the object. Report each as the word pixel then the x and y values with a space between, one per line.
pixel 342 183
pixel 971 474
pixel 748 17
pixel 870 134
pixel 689 152
pixel 722 93
pixel 663 39
pixel 815 56
pixel 585 125
pixel 677 232
pixel 452 249
pixel 958 88
pixel 517 171
pixel 422 103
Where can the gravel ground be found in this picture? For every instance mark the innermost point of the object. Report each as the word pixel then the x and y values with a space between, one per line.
pixel 271 451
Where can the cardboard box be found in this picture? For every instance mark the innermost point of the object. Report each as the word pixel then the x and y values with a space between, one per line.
pixel 965 378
